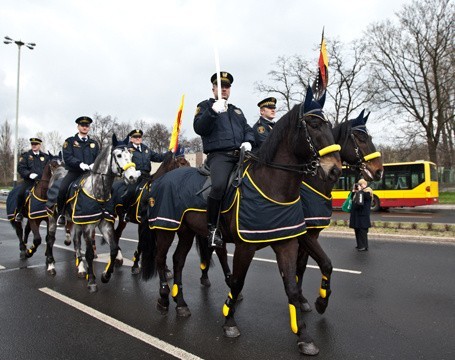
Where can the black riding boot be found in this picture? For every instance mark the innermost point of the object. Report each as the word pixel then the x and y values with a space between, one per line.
pixel 213 211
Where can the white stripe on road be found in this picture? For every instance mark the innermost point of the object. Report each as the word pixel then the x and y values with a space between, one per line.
pixel 255 258
pixel 129 330
pixel 310 266
pixel 2 267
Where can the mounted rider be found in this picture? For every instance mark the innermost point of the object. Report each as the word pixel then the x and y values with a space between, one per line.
pixel 224 130
pixel 265 124
pixel 79 154
pixel 142 156
pixel 30 168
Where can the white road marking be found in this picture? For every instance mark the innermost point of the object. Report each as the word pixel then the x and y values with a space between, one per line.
pixel 310 266
pixel 129 330
pixel 2 267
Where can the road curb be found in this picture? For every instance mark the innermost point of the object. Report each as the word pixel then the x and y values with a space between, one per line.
pixel 393 237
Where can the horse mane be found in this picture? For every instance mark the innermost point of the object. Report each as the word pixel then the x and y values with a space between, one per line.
pixel 282 127
pixel 101 156
pixel 163 168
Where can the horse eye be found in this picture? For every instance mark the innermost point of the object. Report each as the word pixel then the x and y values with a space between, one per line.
pixel 314 123
pixel 119 155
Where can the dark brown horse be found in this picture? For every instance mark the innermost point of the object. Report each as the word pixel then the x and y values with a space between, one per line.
pixel 38 195
pixel 169 163
pixel 357 151
pixel 301 142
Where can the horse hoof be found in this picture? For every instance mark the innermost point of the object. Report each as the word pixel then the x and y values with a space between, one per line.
pixel 162 309
pixel 169 274
pixel 28 254
pixel 22 255
pixel 67 242
pixel 205 282
pixel 135 270
pixel 231 331
pixel 321 305
pixel 308 348
pixel 305 307
pixel 51 272
pixel 81 275
pixel 183 311
pixel 118 262
pixel 105 277
pixel 92 288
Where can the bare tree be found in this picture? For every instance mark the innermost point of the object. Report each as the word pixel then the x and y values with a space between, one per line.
pixel 103 128
pixel 53 142
pixel 6 153
pixel 412 67
pixel 157 137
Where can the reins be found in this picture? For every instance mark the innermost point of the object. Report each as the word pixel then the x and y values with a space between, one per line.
pixel 361 158
pixel 311 167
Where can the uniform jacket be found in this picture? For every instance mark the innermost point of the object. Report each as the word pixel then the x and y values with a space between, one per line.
pixel 262 129
pixel 221 132
pixel 360 214
pixel 76 151
pixel 30 163
pixel 143 158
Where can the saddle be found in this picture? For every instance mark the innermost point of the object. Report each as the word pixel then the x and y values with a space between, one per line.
pixel 235 178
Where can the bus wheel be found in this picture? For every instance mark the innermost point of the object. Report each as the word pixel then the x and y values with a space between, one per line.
pixel 375 203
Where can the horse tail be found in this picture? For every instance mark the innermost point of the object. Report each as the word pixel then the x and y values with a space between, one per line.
pixel 205 253
pixel 147 248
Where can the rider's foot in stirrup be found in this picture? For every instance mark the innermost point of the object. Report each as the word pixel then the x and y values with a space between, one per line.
pixel 19 217
pixel 61 220
pixel 215 240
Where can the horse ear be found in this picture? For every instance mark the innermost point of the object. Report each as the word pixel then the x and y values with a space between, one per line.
pixel 366 117
pixel 114 140
pixel 126 140
pixel 60 155
pixel 321 100
pixel 308 98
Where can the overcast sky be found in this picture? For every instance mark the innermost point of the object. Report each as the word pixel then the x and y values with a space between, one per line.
pixel 135 59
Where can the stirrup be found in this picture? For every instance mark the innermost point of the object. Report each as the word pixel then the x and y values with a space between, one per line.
pixel 215 240
pixel 61 221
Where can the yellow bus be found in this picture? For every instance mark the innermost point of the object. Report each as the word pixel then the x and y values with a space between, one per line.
pixel 405 184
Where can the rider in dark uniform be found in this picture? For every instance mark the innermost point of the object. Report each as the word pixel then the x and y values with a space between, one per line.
pixel 142 156
pixel 30 168
pixel 265 124
pixel 79 154
pixel 224 130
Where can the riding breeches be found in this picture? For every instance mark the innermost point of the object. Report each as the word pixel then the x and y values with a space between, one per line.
pixel 26 185
pixel 221 166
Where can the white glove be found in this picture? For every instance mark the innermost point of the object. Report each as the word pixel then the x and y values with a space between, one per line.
pixel 91 166
pixel 84 166
pixel 247 146
pixel 220 106
pixel 33 176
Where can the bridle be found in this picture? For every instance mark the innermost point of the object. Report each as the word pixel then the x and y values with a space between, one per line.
pixel 311 167
pixel 361 158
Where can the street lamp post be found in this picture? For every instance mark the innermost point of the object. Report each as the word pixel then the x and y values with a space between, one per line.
pixel 19 43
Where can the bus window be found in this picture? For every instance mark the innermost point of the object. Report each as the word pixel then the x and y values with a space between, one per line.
pixel 433 173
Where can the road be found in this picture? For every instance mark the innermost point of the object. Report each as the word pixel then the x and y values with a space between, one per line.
pixel 394 302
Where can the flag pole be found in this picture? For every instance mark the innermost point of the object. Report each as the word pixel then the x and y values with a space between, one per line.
pixel 217 68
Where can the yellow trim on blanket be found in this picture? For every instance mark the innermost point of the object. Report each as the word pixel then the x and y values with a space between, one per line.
pixel 317 192
pixel 266 197
pixel 259 241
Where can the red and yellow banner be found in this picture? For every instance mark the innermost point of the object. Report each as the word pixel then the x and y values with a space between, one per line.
pixel 174 142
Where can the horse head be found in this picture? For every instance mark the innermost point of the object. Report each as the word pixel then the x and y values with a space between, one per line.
pixel 122 161
pixel 55 161
pixel 316 137
pixel 171 161
pixel 357 148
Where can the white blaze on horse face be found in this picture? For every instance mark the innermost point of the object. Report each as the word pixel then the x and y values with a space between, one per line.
pixel 123 158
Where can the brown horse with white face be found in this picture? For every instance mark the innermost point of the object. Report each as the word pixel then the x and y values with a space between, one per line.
pixel 301 143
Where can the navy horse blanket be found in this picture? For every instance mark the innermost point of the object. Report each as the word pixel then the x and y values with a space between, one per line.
pixel 259 218
pixel 36 207
pixel 316 206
